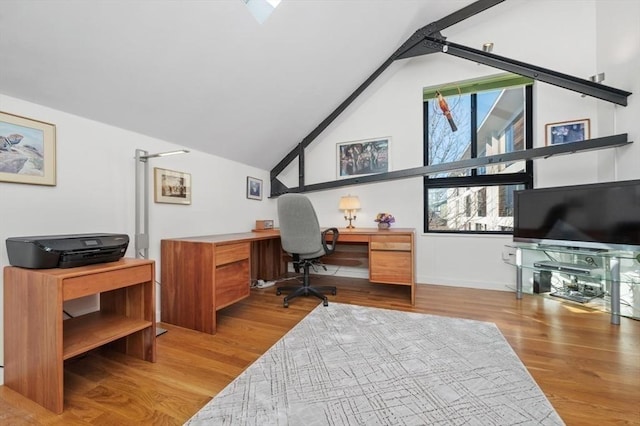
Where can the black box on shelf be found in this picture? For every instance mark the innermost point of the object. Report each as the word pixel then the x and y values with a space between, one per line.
pixel 541 281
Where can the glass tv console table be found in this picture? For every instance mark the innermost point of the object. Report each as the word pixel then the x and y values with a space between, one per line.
pixel 603 279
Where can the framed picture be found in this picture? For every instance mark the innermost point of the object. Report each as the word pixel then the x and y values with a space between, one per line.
pixel 27 150
pixel 254 188
pixel 361 158
pixel 567 131
pixel 171 187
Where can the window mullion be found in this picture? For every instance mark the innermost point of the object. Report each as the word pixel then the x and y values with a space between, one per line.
pixel 474 130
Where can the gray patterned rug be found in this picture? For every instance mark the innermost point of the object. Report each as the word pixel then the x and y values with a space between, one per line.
pixel 353 365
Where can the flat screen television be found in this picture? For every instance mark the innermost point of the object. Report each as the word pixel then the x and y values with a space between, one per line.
pixel 593 216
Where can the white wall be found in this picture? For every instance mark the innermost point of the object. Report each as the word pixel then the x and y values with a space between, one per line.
pixel 618 56
pixel 568 42
pixel 95 191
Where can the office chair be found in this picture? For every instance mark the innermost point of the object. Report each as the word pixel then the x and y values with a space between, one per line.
pixel 301 237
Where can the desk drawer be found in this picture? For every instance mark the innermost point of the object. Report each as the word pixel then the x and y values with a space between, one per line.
pixel 392 267
pixel 391 242
pixel 86 285
pixel 352 238
pixel 229 253
pixel 232 283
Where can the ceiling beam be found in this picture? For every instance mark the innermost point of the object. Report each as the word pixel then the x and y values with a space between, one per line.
pixel 325 123
pixel 428 40
pixel 417 38
pixel 416 45
pixel 464 13
pixel 583 86
pixel 509 157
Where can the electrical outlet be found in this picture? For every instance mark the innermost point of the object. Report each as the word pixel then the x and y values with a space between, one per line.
pixel 265 284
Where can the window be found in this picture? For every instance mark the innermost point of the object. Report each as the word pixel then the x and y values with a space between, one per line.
pixel 467 206
pixel 470 120
pixel 482 202
pixel 261 9
pixel 505 202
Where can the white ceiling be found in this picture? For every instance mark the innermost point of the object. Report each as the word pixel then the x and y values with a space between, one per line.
pixel 203 74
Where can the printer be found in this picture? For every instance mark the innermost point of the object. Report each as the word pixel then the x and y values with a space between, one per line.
pixel 65 251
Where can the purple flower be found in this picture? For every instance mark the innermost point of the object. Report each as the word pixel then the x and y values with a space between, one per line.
pixel 385 218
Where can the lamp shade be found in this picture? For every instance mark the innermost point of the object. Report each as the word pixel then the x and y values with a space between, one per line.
pixel 349 202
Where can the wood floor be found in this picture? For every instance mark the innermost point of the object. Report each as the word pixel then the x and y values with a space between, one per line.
pixel 588 368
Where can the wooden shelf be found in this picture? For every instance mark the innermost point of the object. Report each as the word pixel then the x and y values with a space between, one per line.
pixel 87 332
pixel 37 340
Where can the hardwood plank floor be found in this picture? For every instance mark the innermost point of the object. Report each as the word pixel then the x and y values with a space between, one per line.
pixel 588 368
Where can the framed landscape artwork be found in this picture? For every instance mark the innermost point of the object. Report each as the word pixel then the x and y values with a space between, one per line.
pixel 27 150
pixel 254 188
pixel 171 187
pixel 362 158
pixel 567 131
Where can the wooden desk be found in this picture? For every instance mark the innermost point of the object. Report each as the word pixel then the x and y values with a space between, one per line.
pixel 201 275
pixel 37 340
pixel 391 254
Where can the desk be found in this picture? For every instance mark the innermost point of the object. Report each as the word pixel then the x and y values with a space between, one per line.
pixel 201 275
pixel 391 254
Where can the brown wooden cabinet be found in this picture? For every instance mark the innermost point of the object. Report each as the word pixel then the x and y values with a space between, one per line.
pixel 201 275
pixel 391 254
pixel 391 259
pixel 37 340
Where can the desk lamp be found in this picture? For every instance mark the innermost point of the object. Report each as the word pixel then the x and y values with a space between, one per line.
pixel 349 204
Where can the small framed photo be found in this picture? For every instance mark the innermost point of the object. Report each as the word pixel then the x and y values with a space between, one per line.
pixel 171 187
pixel 360 158
pixel 567 131
pixel 27 150
pixel 254 188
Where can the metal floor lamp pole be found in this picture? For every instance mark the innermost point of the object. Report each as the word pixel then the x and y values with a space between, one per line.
pixel 141 240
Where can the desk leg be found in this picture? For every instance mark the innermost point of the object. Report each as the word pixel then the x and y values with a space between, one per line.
pixel 267 262
pixel 33 358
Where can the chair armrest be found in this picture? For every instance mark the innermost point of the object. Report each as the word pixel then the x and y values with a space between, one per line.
pixel 330 248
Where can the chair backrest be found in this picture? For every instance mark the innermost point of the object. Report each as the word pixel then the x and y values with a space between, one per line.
pixel 299 228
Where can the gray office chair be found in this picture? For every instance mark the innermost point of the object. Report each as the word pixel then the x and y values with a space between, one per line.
pixel 301 237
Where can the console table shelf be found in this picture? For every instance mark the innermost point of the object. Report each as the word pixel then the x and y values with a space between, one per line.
pixel 90 331
pixel 579 274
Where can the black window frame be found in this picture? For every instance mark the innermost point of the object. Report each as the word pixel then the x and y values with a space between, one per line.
pixel 474 179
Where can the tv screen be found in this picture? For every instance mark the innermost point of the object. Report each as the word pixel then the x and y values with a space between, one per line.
pixel 599 216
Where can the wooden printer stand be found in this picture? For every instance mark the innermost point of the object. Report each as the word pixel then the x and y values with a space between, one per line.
pixel 37 340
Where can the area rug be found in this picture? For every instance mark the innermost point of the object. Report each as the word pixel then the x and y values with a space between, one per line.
pixel 353 365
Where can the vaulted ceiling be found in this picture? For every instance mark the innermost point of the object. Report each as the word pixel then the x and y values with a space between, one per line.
pixel 203 74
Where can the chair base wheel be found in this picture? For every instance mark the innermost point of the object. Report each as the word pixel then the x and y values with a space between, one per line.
pixel 325 302
pixel 285 304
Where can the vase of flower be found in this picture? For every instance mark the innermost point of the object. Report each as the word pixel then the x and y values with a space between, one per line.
pixel 384 220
